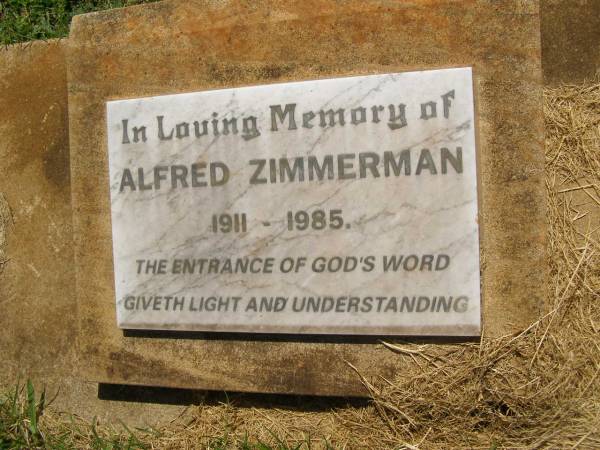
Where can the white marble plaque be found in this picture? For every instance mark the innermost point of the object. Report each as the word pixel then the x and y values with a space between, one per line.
pixel 338 206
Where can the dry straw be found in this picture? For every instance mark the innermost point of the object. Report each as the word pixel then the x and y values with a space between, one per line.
pixel 536 389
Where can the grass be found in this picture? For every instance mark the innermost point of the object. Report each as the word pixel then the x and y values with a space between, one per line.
pixel 23 425
pixel 27 20
pixel 19 418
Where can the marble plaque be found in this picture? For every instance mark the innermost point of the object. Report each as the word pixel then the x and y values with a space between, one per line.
pixel 337 206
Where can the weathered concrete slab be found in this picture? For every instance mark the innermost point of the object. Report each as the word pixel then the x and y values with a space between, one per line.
pixel 173 47
pixel 38 325
pixel 37 276
pixel 570 40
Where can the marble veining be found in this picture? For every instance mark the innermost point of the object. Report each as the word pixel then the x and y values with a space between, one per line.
pixel 338 206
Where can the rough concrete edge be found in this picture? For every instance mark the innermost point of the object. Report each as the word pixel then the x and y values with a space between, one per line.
pixel 6 216
pixel 542 168
pixel 26 45
pixel 542 184
pixel 6 222
pixel 250 18
pixel 95 16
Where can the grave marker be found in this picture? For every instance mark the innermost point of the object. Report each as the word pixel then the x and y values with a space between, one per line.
pixel 174 47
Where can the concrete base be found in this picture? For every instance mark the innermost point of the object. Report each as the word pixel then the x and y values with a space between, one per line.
pixel 570 40
pixel 179 46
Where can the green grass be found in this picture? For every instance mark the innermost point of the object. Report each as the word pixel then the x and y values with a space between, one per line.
pixel 22 426
pixel 19 417
pixel 27 20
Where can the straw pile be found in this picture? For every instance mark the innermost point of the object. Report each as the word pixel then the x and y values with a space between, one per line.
pixel 537 389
